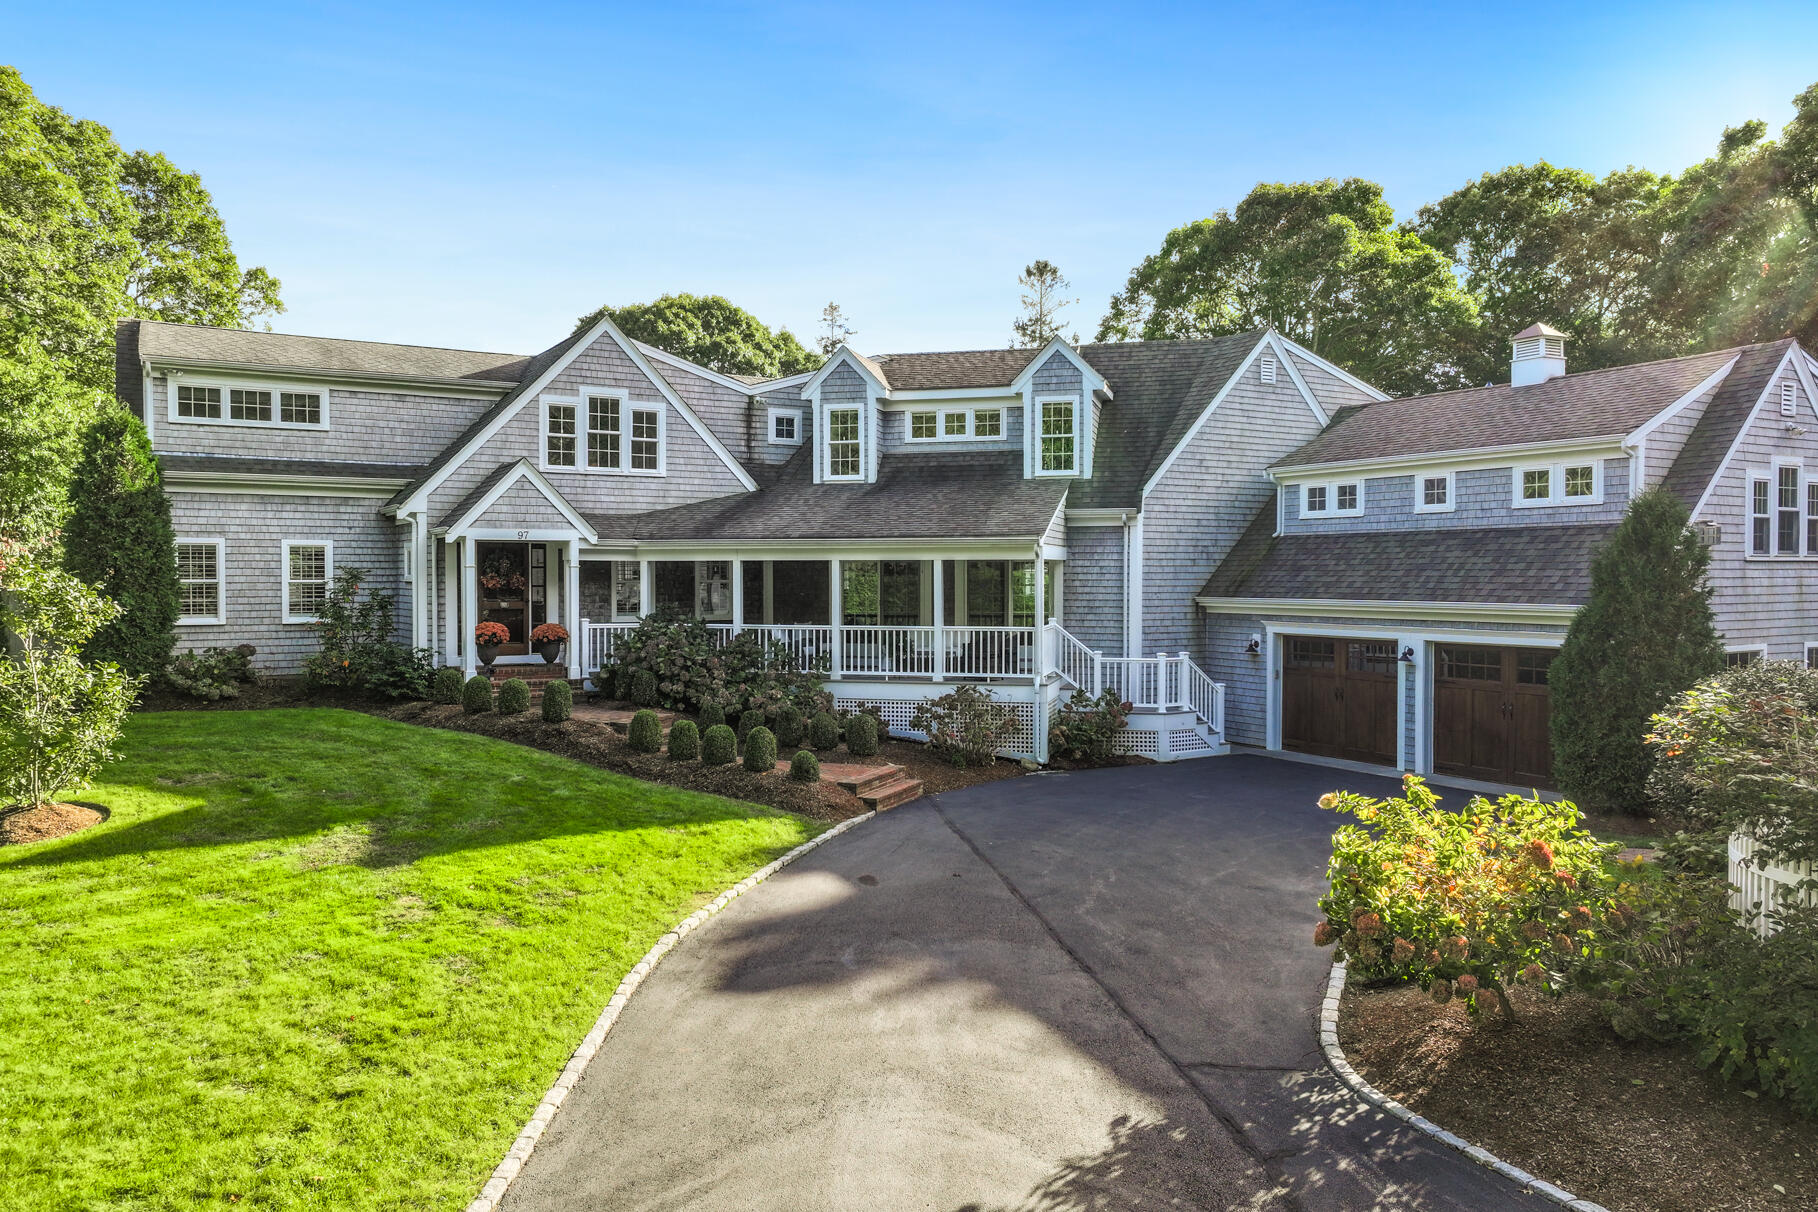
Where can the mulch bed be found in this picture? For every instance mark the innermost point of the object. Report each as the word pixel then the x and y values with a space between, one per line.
pixel 1634 1126
pixel 47 821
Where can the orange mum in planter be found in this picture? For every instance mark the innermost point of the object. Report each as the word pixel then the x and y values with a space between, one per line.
pixel 548 633
pixel 491 633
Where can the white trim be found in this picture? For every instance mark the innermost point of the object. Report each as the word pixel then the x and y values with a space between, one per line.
pixel 1282 359
pixel 1204 416
pixel 1742 430
pixel 1606 446
pixel 1479 611
pixel 1098 517
pixel 1760 651
pixel 1036 436
pixel 681 406
pixel 1332 369
pixel 220 615
pixel 1091 380
pixel 767 386
pixel 492 389
pixel 1420 491
pixel 772 412
pixel 693 368
pixel 917 397
pixel 582 403
pixel 522 470
pixel 850 357
pixel 1556 481
pixel 174 380
pixel 969 413
pixel 1133 586
pixel 1638 437
pixel 1331 509
pixel 823 428
pixel 146 410
pixel 328 575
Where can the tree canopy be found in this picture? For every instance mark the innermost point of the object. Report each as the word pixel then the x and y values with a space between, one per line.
pixel 712 332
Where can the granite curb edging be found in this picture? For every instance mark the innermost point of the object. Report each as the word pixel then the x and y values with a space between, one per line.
pixel 1335 1060
pixel 507 1170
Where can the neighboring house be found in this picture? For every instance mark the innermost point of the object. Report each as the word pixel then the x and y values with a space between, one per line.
pixel 903 522
pixel 1399 597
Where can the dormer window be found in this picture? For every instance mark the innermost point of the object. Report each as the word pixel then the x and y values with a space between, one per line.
pixel 844 457
pixel 1559 484
pixel 954 424
pixel 786 426
pixel 1433 492
pixel 267 406
pixel 1333 499
pixel 1059 437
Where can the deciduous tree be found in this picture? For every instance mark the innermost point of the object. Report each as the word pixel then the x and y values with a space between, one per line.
pixel 710 331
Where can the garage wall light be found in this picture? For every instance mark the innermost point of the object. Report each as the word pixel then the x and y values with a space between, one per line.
pixel 1407 655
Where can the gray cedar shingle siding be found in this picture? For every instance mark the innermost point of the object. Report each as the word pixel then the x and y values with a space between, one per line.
pixel 1202 503
pixel 1484 497
pixel 894 428
pixel 725 412
pixel 775 454
pixel 249 465
pixel 523 507
pixel 1093 594
pixel 254 526
pixel 364 426
pixel 1333 392
pixel 1596 403
pixel 1722 419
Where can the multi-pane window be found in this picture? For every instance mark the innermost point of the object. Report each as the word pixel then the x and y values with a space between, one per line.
pixel 300 408
pixel 955 424
pixel 1435 491
pixel 1740 658
pixel 924 425
pixel 1761 526
pixel 1537 484
pixel 987 423
pixel 1787 510
pixel 1346 497
pixel 1558 484
pixel 245 405
pixel 843 460
pixel 199 402
pixel 602 431
pixel 199 581
pixel 560 441
pixel 627 589
pixel 1811 517
pixel 1325 500
pixel 1057 435
pixel 1469 664
pixel 1580 481
pixel 1317 497
pixel 646 439
pixel 306 572
pixel 786 426
pixel 1533 664
pixel 1311 654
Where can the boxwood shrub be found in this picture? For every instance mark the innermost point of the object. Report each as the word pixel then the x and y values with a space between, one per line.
pixel 719 746
pixel 861 735
pixel 791 728
pixel 760 749
pixel 824 732
pixel 445 687
pixel 754 718
pixel 684 741
pixel 712 714
pixel 804 767
pixel 643 689
pixel 645 735
pixel 514 696
pixel 476 695
pixel 558 701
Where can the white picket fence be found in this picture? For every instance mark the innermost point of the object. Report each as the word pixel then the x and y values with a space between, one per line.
pixel 1756 887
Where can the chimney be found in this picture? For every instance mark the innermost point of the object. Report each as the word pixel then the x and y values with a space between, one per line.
pixel 1539 355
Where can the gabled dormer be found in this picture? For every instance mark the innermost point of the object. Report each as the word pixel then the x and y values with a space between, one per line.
pixel 1061 393
pixel 844 396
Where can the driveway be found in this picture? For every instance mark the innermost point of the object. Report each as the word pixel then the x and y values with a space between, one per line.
pixel 1069 991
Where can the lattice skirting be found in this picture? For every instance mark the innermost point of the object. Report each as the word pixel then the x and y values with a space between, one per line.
pixel 1165 737
pixel 897 713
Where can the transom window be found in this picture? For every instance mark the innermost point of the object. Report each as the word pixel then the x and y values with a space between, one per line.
pixel 199 579
pixel 199 402
pixel 307 568
pixel 1059 448
pixel 608 446
pixel 246 405
pixel 1312 654
pixel 1336 498
pixel 954 424
pixel 843 457
pixel 1559 484
pixel 1470 664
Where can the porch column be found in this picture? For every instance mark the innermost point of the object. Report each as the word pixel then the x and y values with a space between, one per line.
pixel 1041 616
pixel 470 604
pixel 738 595
pixel 571 607
pixel 421 602
pixel 833 582
pixel 445 597
pixel 940 622
pixel 646 590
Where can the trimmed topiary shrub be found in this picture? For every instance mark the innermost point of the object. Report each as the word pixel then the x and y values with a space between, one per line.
pixel 791 728
pixel 645 735
pixel 684 741
pixel 558 702
pixel 476 696
pixel 644 689
pixel 514 697
pixel 804 767
pixel 445 687
pixel 824 732
pixel 711 715
pixel 748 720
pixel 719 746
pixel 861 735
pixel 760 749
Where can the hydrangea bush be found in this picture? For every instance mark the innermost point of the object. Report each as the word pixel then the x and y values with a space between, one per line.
pixel 1463 903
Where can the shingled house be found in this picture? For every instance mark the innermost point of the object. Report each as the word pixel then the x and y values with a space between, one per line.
pixel 1036 520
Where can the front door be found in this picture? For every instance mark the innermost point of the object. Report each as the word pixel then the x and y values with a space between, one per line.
pixel 1491 709
pixel 1339 698
pixel 513 589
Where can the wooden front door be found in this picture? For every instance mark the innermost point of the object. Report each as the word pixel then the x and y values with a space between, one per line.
pixel 1339 698
pixel 513 589
pixel 1491 708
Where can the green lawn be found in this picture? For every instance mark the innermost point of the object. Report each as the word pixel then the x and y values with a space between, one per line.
pixel 321 960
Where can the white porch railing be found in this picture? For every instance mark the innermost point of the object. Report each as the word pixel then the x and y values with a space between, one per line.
pixel 1756 889
pixel 887 650
pixel 1157 683
pixel 989 652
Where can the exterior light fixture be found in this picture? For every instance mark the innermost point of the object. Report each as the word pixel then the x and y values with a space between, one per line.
pixel 1407 656
pixel 1254 647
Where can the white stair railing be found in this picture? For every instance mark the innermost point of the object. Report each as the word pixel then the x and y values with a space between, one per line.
pixel 1074 661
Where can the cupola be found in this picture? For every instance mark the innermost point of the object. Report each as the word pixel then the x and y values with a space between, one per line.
pixel 1539 355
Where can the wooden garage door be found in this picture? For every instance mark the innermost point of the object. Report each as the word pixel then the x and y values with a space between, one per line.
pixel 1338 698
pixel 1490 713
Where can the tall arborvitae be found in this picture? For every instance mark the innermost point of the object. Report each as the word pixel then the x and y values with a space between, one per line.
pixel 1645 635
pixel 119 540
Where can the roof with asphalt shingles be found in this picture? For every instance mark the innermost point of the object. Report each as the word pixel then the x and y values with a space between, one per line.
pixel 240 346
pixel 1723 418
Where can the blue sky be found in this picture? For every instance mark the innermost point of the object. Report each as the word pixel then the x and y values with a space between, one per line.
pixel 479 175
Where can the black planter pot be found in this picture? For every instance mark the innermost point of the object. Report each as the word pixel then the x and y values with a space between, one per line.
pixel 550 652
pixel 487 653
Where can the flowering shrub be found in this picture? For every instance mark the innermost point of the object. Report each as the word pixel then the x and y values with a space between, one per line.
pixel 356 624
pixel 213 673
pixel 548 633
pixel 1085 729
pixel 966 725
pixel 753 672
pixel 489 633
pixel 1464 903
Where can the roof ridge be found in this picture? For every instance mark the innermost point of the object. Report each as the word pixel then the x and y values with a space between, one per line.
pixel 1733 350
pixel 304 336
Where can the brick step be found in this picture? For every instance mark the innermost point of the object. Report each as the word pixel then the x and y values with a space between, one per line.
pixel 862 780
pixel 898 791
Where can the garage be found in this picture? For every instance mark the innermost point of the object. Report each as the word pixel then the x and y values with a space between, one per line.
pixel 1491 707
pixel 1339 698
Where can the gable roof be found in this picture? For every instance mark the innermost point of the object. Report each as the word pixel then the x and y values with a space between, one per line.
pixel 1723 419
pixel 1590 404
pixel 496 483
pixel 1493 565
pixel 157 339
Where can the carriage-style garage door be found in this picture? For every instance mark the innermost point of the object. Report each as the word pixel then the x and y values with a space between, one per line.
pixel 1490 712
pixel 1338 698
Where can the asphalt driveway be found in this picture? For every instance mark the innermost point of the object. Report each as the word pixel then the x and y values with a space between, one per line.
pixel 1069 991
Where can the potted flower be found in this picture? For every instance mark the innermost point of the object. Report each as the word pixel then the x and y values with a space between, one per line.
pixel 488 638
pixel 547 639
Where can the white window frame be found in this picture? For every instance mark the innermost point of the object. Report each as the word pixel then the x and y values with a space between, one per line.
pixel 1811 652
pixel 1750 517
pixel 770 418
pixel 826 444
pixel 328 574
pixel 583 409
pixel 1420 491
pixel 968 420
pixel 1037 435
pixel 1331 509
pixel 228 386
pixel 1760 651
pixel 1800 504
pixel 220 615
pixel 1556 484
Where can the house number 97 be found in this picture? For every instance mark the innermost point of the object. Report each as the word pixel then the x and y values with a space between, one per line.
pixel 523 534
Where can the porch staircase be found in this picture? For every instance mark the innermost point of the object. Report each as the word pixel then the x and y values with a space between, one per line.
pixel 879 788
pixel 534 676
pixel 1176 710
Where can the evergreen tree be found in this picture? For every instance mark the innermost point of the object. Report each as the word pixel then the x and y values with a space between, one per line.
pixel 1645 635
pixel 119 540
pixel 1039 324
